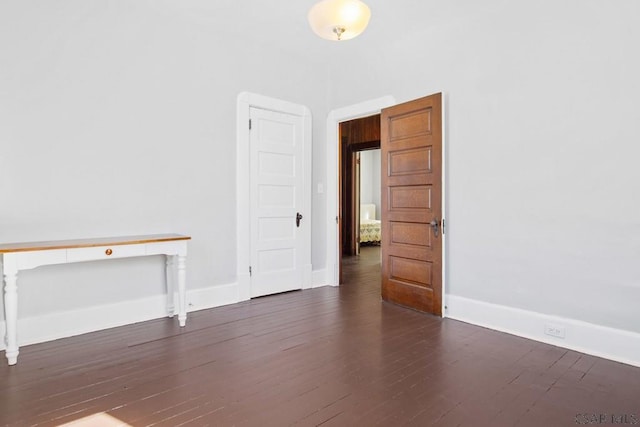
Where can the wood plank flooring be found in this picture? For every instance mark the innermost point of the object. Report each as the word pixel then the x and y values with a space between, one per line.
pixel 328 356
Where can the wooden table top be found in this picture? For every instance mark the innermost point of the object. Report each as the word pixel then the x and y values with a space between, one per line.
pixel 87 243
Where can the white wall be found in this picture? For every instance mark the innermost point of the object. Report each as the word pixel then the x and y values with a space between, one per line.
pixel 370 178
pixel 543 145
pixel 366 183
pixel 118 118
pixel 376 160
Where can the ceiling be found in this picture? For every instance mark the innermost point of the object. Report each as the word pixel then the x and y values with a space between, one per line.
pixel 284 24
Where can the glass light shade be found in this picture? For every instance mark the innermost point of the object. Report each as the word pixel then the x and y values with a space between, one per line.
pixel 339 19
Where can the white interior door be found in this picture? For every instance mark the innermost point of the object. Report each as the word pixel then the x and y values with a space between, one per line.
pixel 276 199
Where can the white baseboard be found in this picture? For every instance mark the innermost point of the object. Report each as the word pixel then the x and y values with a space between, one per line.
pixel 213 296
pixel 307 276
pixel 609 343
pixel 244 286
pixel 318 278
pixel 614 344
pixel 52 326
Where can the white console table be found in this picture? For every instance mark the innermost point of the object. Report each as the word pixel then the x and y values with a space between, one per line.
pixel 24 256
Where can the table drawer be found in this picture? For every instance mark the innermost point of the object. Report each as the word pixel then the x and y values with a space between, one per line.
pixel 27 260
pixel 104 252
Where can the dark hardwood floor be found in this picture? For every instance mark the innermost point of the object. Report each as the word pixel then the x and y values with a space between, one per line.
pixel 328 356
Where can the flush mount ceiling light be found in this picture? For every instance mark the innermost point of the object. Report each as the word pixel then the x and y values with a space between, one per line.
pixel 339 19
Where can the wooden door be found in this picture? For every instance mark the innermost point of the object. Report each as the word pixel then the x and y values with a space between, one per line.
pixel 276 194
pixel 411 142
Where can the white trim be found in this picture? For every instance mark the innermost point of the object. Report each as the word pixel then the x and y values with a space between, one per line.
pixel 245 101
pixel 610 343
pixel 318 278
pixel 334 118
pixel 614 344
pixel 307 277
pixel 52 326
pixel 212 296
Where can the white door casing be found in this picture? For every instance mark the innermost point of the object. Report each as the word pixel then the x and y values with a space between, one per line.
pixel 273 185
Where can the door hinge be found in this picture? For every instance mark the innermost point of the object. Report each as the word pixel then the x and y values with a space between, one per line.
pixel 444 230
pixel 337 221
pixel 249 271
pixel 249 124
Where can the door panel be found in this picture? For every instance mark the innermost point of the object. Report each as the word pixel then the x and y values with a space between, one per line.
pixel 408 162
pixel 410 271
pixel 276 165
pixel 416 123
pixel 411 142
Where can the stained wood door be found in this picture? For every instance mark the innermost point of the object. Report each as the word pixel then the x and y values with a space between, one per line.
pixel 276 194
pixel 411 142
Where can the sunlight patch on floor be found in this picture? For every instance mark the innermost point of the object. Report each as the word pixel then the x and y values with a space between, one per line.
pixel 97 420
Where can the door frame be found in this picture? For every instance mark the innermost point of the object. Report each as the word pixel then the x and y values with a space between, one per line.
pixel 245 101
pixel 356 111
pixel 334 118
pixel 351 147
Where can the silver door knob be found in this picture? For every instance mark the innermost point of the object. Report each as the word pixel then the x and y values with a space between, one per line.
pixel 435 225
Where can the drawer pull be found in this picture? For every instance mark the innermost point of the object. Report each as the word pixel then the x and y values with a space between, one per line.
pixel 108 252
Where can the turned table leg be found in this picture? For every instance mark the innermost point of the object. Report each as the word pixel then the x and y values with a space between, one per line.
pixel 170 279
pixel 11 315
pixel 182 288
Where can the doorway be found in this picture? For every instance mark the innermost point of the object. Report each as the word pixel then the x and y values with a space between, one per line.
pixel 335 117
pixel 413 189
pixel 359 138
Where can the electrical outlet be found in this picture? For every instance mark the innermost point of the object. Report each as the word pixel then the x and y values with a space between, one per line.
pixel 554 330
